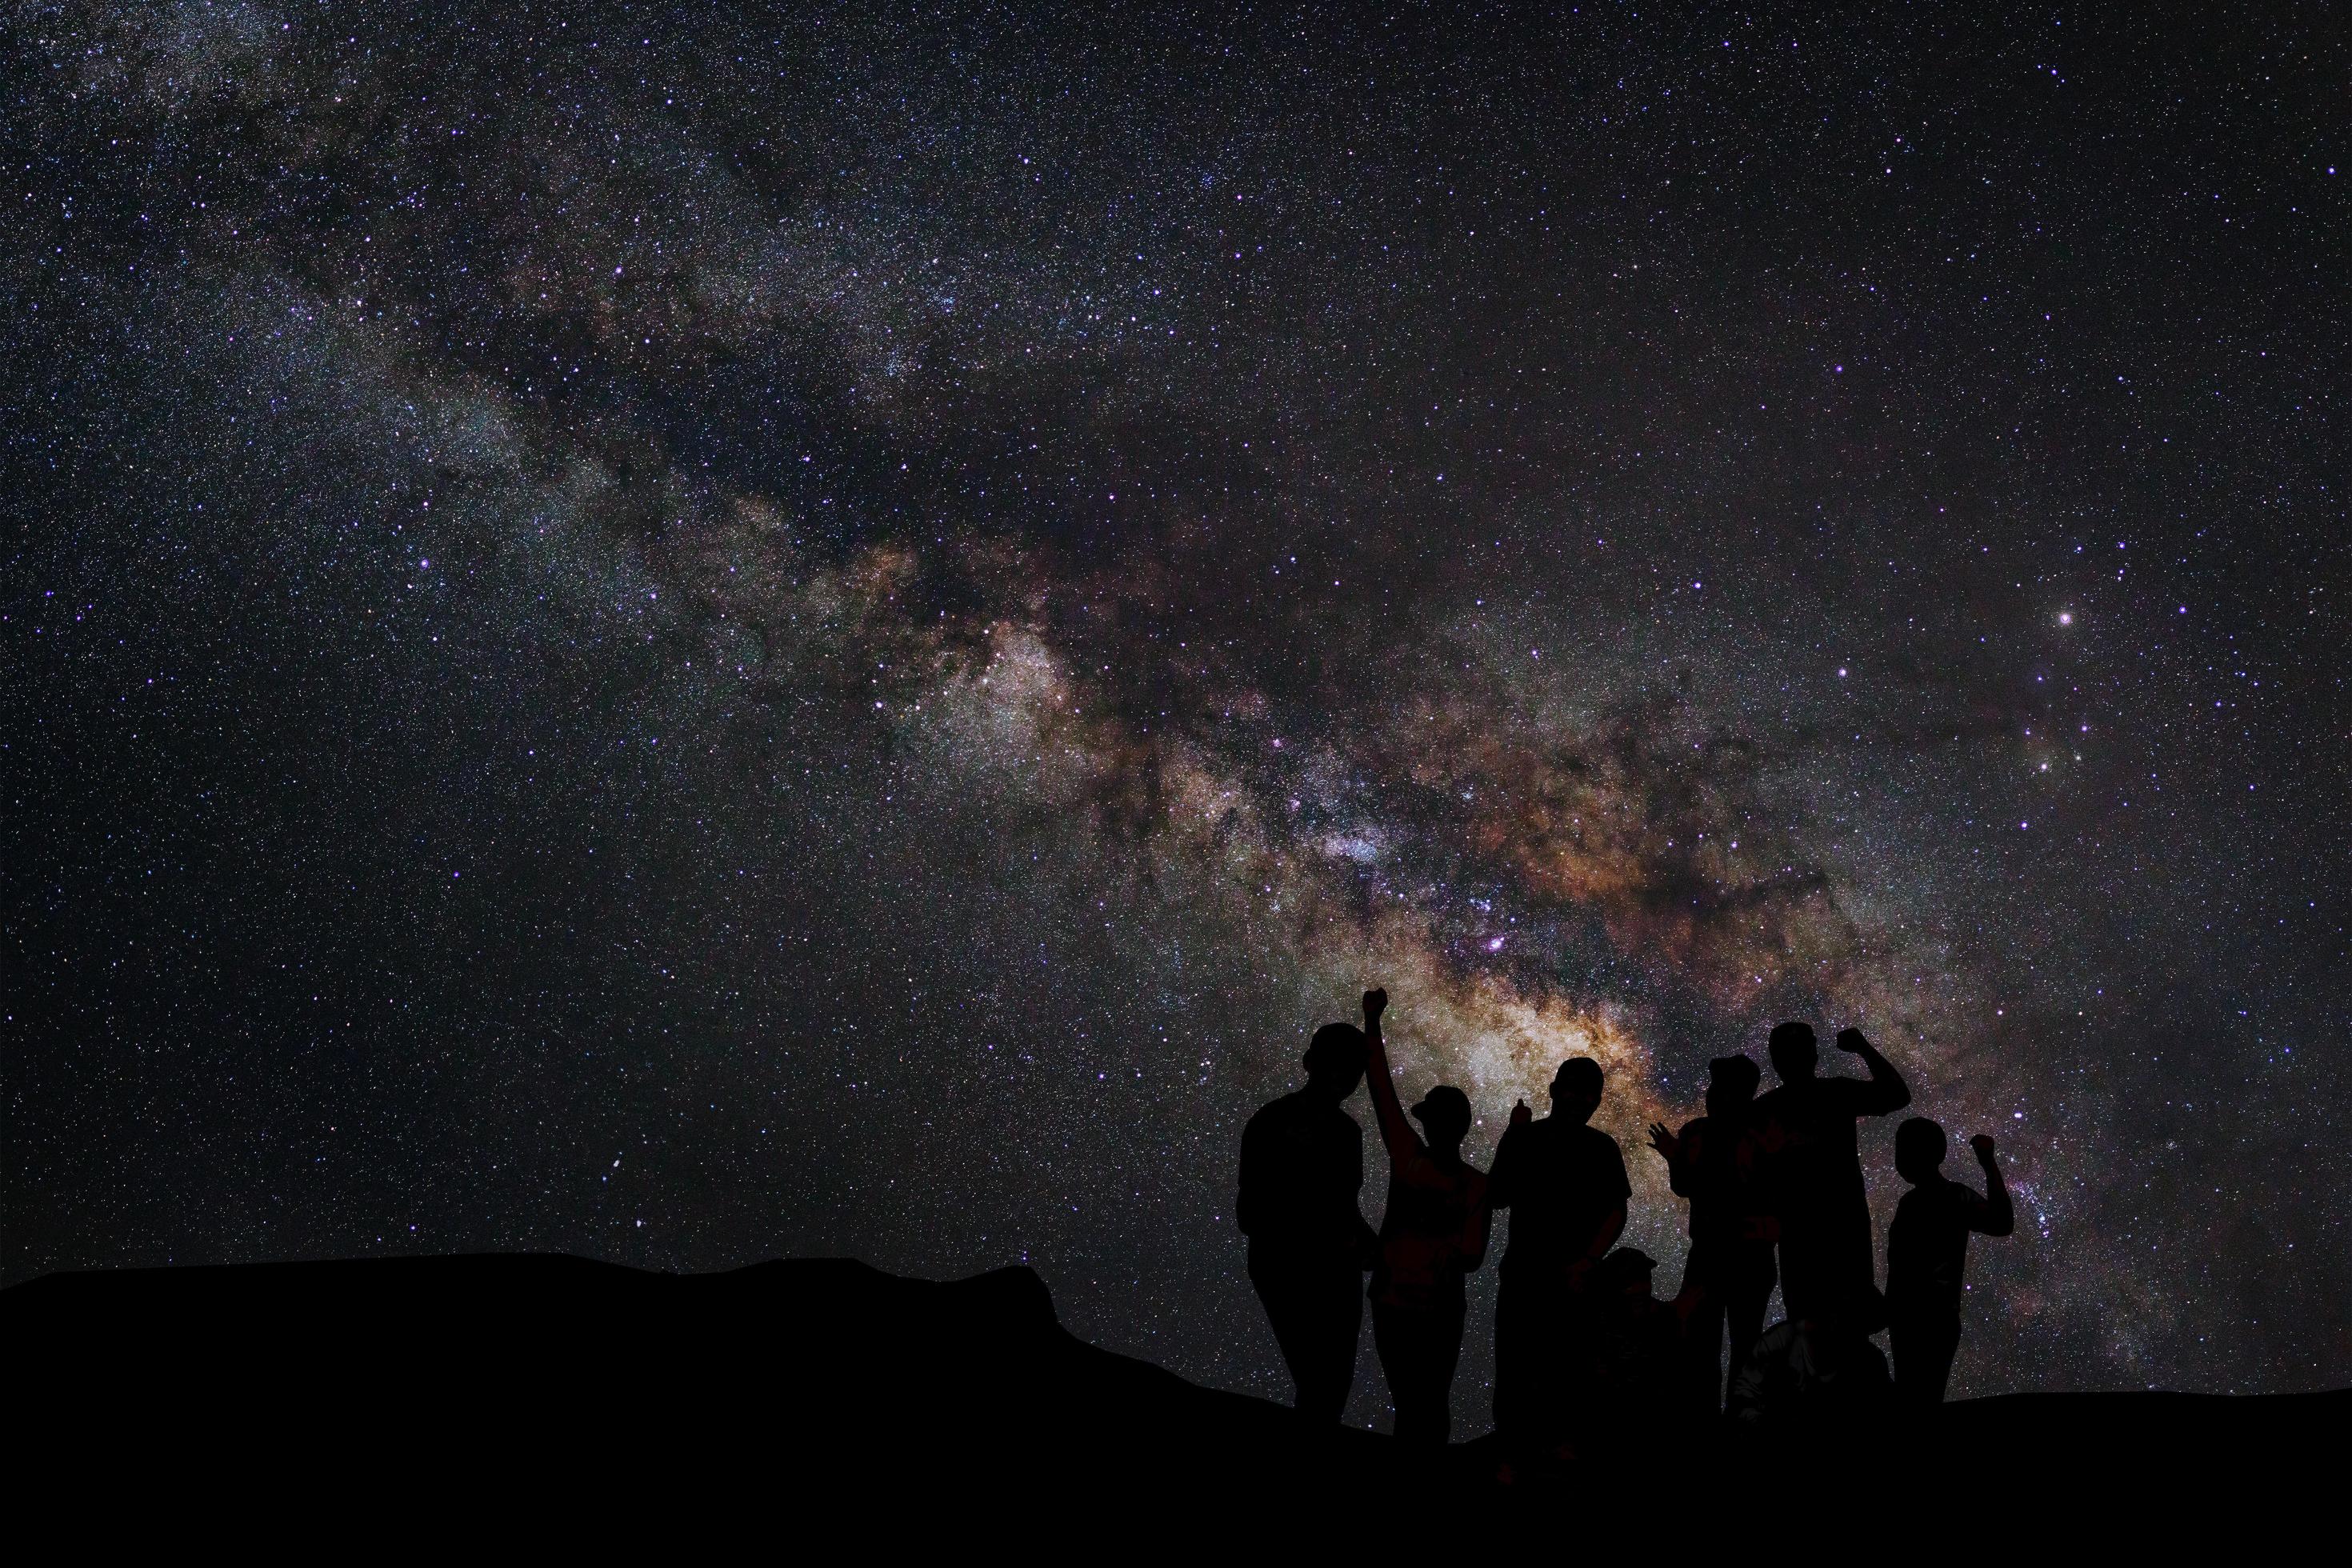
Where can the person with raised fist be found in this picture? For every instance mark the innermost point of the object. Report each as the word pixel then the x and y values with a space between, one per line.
pixel 1928 1252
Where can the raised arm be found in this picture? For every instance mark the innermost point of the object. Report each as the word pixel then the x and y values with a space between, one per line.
pixel 1999 1214
pixel 1395 1131
pixel 1885 1091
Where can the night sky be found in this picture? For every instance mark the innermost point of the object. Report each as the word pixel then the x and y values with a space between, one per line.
pixel 693 638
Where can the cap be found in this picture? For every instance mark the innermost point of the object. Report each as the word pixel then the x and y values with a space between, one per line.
pixel 1446 1100
pixel 1741 1070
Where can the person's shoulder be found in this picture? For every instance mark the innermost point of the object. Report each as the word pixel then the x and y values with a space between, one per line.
pixel 1281 1108
pixel 1776 1338
pixel 1939 1192
pixel 1697 1128
pixel 1944 1198
pixel 1919 1206
pixel 1535 1134
pixel 1321 1118
pixel 1420 1168
pixel 1600 1154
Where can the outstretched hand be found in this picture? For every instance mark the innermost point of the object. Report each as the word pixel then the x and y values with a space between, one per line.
pixel 1376 1002
pixel 1982 1144
pixel 1851 1042
pixel 1667 1145
pixel 1520 1114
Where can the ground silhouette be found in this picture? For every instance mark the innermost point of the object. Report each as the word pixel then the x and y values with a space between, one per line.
pixel 411 1388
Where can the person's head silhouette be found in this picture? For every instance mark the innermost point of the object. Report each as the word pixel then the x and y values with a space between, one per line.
pixel 1445 1117
pixel 1625 1272
pixel 1576 1089
pixel 1793 1050
pixel 1918 1149
pixel 1335 1061
pixel 1851 1319
pixel 1730 1085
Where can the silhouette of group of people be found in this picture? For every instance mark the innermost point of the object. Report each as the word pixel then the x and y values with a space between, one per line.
pixel 1586 1354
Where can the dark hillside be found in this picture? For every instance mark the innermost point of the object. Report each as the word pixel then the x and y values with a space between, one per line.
pixel 522 1384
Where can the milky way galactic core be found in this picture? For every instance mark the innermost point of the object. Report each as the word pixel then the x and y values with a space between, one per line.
pixel 834 630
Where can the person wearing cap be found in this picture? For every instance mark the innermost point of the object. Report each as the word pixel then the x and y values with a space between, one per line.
pixel 1302 1166
pixel 1434 1233
pixel 1640 1351
pixel 1728 1274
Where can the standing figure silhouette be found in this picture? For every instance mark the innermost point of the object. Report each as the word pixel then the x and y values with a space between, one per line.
pixel 1434 1233
pixel 1728 1276
pixel 1814 1173
pixel 1565 1185
pixel 1641 1386
pixel 1928 1252
pixel 1302 1166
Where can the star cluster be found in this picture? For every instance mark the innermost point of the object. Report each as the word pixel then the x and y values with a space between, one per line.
pixel 834 629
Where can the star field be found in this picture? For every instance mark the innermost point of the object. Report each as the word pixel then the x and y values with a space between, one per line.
pixel 834 630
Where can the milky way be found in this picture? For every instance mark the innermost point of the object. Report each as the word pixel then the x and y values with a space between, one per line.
pixel 835 631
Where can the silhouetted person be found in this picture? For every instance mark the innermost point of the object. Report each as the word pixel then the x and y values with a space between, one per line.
pixel 1714 1162
pixel 1302 1166
pixel 1565 1185
pixel 1809 1376
pixel 1641 1354
pixel 1814 1175
pixel 1433 1233
pixel 1928 1251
